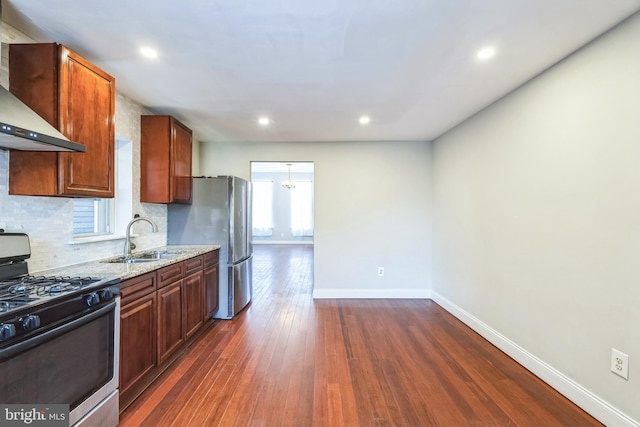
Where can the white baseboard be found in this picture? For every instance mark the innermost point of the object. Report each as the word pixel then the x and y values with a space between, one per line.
pixel 591 403
pixel 371 293
pixel 282 242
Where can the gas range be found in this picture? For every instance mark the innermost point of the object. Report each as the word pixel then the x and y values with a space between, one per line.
pixel 30 291
pixel 31 305
pixel 59 338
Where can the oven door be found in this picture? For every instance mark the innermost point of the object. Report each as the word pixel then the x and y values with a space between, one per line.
pixel 67 365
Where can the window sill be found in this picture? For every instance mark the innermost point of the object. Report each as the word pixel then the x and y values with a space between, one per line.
pixel 93 239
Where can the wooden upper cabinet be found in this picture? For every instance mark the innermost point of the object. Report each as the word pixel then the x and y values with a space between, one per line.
pixel 165 160
pixel 78 99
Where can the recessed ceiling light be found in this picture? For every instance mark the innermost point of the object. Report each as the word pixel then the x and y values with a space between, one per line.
pixel 264 121
pixel 149 52
pixel 364 120
pixel 485 53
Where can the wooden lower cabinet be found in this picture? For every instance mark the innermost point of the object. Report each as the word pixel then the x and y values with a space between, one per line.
pixel 160 313
pixel 170 324
pixel 138 346
pixel 211 283
pixel 138 326
pixel 193 287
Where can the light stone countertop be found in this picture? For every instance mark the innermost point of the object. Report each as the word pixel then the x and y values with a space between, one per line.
pixel 123 271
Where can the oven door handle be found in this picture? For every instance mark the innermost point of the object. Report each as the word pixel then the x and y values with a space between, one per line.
pixel 9 352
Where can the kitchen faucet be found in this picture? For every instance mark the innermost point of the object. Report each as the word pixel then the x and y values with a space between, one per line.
pixel 127 241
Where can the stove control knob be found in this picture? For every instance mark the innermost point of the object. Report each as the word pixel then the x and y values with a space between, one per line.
pixel 7 330
pixel 31 322
pixel 92 299
pixel 105 294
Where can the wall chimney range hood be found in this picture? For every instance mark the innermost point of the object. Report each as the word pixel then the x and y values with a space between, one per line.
pixel 23 129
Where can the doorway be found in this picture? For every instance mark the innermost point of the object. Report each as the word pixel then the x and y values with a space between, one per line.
pixel 283 202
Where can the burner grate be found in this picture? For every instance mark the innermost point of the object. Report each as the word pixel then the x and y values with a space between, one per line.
pixel 39 286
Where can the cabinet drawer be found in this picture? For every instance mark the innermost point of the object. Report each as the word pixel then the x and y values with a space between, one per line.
pixel 137 287
pixel 192 265
pixel 169 274
pixel 211 258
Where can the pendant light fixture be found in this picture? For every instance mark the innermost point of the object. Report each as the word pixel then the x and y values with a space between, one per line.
pixel 288 184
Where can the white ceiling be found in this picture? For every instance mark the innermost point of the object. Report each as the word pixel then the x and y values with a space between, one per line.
pixel 315 66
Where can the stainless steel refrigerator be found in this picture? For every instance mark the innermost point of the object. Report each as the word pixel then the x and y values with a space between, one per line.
pixel 220 214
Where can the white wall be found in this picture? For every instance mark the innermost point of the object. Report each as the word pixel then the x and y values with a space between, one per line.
pixel 537 216
pixel 372 208
pixel 195 158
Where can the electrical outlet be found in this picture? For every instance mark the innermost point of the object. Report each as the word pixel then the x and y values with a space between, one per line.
pixel 380 271
pixel 620 363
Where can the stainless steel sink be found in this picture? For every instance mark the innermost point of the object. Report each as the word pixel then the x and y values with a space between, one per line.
pixel 145 257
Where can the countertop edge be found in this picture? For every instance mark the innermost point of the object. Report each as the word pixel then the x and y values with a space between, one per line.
pixel 123 271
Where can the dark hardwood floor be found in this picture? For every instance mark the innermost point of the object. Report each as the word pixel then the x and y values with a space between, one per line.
pixel 288 360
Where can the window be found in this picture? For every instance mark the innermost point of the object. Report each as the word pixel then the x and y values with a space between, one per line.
pixel 302 209
pixel 91 216
pixel 262 208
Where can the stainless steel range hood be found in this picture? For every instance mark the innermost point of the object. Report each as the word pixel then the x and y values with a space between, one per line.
pixel 23 129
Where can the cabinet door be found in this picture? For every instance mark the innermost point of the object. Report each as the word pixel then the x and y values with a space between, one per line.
pixel 170 323
pixel 181 164
pixel 211 281
pixel 137 340
pixel 87 110
pixel 193 307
